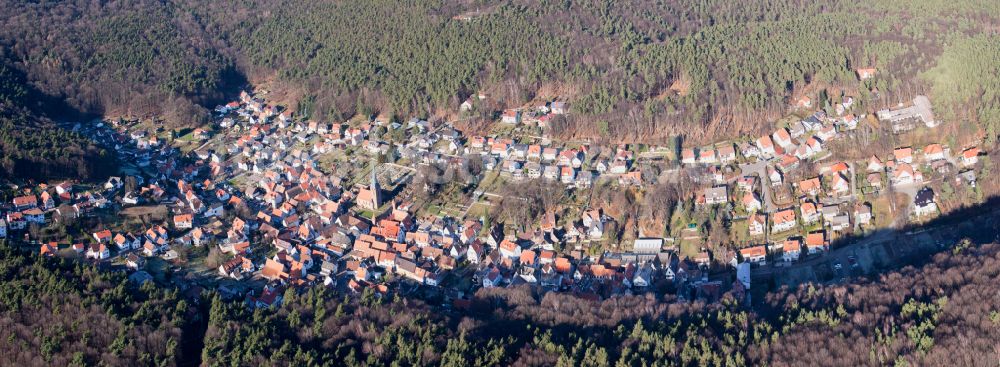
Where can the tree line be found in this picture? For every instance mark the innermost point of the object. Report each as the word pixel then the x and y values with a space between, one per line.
pixel 632 69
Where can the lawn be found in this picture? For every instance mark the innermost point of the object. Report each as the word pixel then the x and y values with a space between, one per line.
pixel 477 210
pixel 740 231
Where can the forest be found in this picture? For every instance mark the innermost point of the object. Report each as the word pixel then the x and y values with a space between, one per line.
pixel 632 70
pixel 59 312
pixel 942 311
pixel 33 147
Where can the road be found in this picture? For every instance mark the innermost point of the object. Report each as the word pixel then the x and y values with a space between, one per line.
pixel 760 169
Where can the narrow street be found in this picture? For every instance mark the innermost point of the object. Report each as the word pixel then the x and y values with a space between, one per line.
pixel 759 169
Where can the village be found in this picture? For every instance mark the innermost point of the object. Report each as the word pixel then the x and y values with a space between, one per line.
pixel 262 200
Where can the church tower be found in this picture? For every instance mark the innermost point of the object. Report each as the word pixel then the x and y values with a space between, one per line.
pixel 374 187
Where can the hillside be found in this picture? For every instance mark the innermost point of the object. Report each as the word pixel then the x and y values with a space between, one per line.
pixel 943 312
pixel 631 69
pixel 33 147
pixel 61 313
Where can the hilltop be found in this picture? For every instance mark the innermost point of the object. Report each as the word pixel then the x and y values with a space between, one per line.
pixel 631 70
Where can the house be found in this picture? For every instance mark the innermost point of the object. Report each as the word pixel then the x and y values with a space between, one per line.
pixel 757 223
pixel 970 156
pixel 98 251
pixel 134 262
pixel 933 152
pixel 967 176
pixel 782 138
pixel 749 150
pixel 811 147
pixel 783 220
pixel 103 236
pixel 567 175
pixel 904 175
pixel 829 211
pixel 550 154
pixel 865 73
pixel 534 151
pixel 511 116
pixel 15 221
pixel 750 202
pixel 839 184
pixel 849 122
pixel 716 195
pixel 215 210
pixel 594 222
pixel 840 222
pixel 706 156
pixel 788 162
pixel 774 176
pixel 810 186
pixel 703 259
pixel 47 201
pixel 797 129
pixel 727 153
pixel 274 270
pixel 754 255
pixel 643 276
pixel 509 249
pixel 804 102
pixel 534 169
pixel 570 158
pixel 766 146
pixel 466 105
pixel 923 203
pixel 493 278
pixel 863 213
pixel 183 221
pixel 790 250
pixel 619 167
pixel 839 167
pixel 34 215
pixel 816 242
pixel 903 155
pixel 688 156
pixel 236 267
pixel 809 212
pixel 126 242
pixel 875 164
pixel 746 183
pixel 25 202
pixel 269 297
pixel 48 249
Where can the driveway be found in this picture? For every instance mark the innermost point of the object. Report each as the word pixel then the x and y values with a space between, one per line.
pixel 760 169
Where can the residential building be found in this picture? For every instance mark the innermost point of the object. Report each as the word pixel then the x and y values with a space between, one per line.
pixel 923 203
pixel 783 220
pixel 791 249
pixel 755 255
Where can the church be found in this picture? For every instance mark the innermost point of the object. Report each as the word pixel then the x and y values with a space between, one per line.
pixel 370 198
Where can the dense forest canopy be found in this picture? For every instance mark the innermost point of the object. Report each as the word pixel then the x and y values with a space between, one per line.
pixel 56 312
pixel 33 147
pixel 631 69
